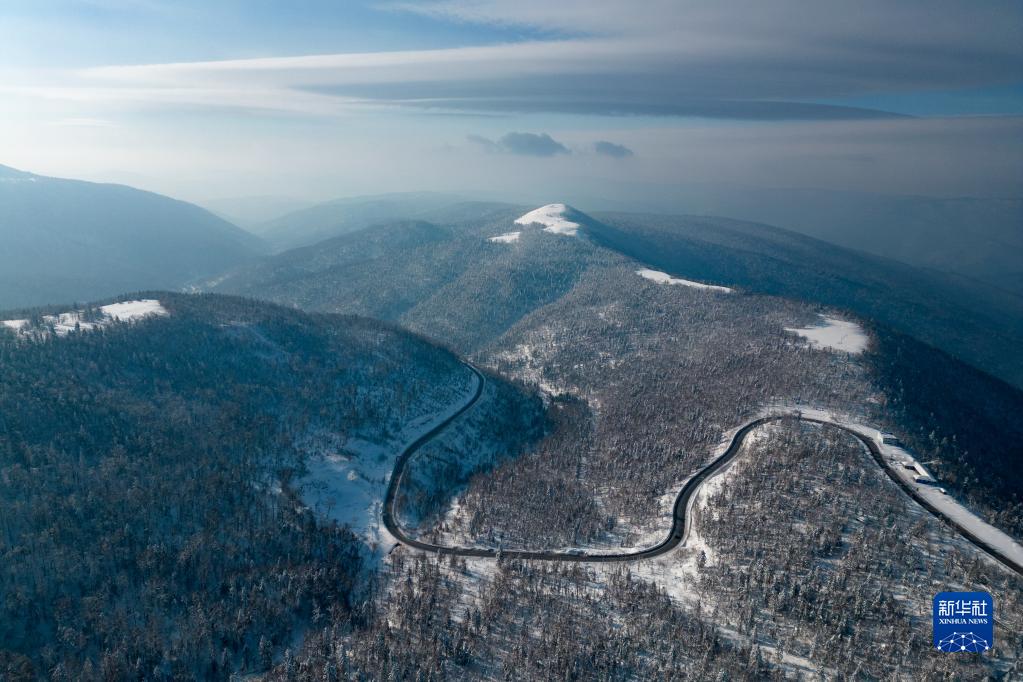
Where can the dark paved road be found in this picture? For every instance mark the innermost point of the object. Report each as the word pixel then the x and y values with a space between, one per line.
pixel 680 516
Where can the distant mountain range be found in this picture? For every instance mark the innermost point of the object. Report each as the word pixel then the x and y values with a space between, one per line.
pixel 68 240
pixel 330 219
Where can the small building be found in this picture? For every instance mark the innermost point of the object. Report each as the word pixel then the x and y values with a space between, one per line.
pixel 889 439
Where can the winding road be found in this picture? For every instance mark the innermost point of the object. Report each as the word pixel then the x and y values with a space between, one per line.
pixel 681 517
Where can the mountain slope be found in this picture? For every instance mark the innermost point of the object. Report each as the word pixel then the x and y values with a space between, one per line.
pixel 341 216
pixel 974 237
pixel 149 499
pixel 67 240
pixel 979 238
pixel 425 273
pixel 569 303
pixel 972 321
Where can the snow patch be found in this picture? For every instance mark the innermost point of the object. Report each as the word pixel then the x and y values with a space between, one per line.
pixel 834 333
pixel 63 324
pixel 554 219
pixel 665 278
pixel 506 238
pixel 127 311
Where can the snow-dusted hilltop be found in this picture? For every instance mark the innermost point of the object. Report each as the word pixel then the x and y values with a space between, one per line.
pixel 80 320
pixel 556 219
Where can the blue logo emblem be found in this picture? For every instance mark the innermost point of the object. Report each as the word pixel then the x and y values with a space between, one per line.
pixel 964 621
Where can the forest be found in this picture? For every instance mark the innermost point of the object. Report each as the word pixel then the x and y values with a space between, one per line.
pixel 145 529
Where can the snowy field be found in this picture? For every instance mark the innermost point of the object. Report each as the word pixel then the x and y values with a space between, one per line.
pixel 665 278
pixel 506 238
pixel 554 219
pixel 63 324
pixel 349 483
pixel 834 333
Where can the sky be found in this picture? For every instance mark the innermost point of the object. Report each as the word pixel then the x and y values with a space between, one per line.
pixel 317 99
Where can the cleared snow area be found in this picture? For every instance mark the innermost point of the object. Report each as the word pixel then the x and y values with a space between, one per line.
pixel 127 311
pixel 63 324
pixel 665 278
pixel 553 218
pixel 834 333
pixel 349 484
pixel 506 238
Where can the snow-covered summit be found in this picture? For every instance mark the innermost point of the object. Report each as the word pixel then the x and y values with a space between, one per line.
pixel 556 219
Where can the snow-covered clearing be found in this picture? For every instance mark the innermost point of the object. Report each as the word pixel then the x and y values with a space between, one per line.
pixel 63 324
pixel 665 278
pixel 127 311
pixel 506 238
pixel 554 219
pixel 835 334
pixel 348 483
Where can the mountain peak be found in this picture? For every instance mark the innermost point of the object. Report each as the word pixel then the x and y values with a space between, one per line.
pixel 556 219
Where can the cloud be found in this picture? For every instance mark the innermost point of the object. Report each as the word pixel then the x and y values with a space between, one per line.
pixel 524 144
pixel 617 151
pixel 485 143
pixel 530 144
pixel 734 59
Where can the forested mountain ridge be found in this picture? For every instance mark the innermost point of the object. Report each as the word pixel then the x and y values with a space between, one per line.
pixel 448 254
pixel 502 291
pixel 69 240
pixel 644 373
pixel 146 524
pixel 971 321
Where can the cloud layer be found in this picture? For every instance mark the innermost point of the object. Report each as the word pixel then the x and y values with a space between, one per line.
pixel 788 93
pixel 734 59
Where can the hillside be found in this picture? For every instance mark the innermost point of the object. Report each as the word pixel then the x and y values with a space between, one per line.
pixel 979 238
pixel 503 291
pixel 426 274
pixel 647 369
pixel 974 322
pixel 342 216
pixel 68 240
pixel 153 469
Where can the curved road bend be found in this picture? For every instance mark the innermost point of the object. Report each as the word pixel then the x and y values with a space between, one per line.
pixel 680 517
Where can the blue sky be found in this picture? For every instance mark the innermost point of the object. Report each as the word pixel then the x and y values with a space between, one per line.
pixel 104 32
pixel 318 98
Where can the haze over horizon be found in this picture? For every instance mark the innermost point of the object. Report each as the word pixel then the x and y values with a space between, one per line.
pixel 524 99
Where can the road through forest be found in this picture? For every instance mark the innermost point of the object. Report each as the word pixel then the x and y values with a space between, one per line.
pixel 680 512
